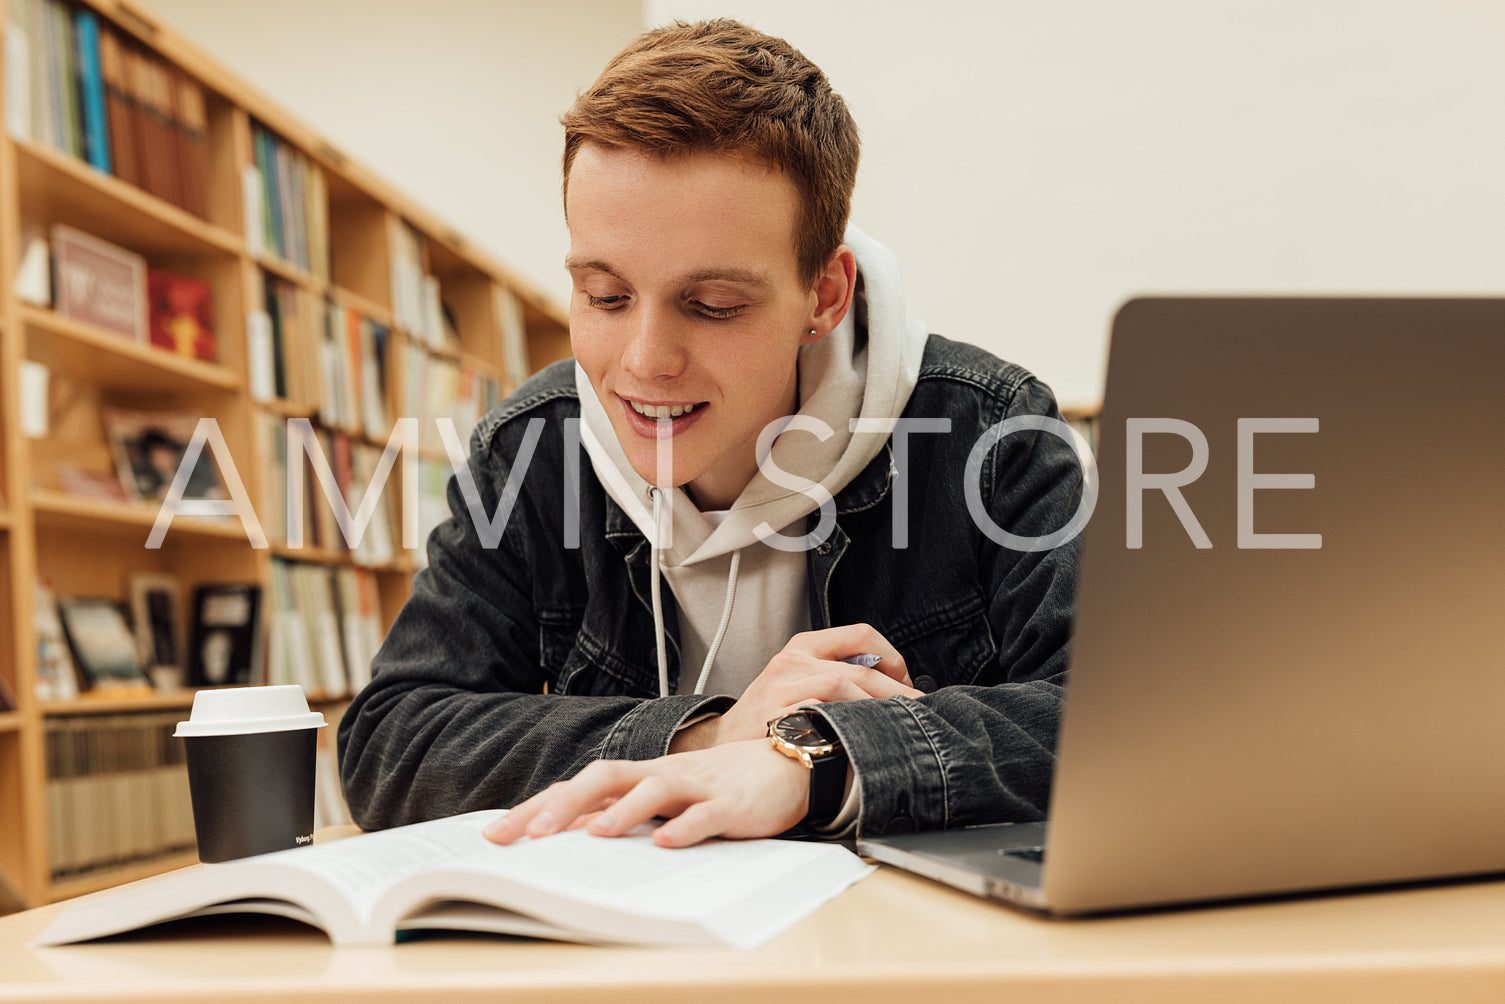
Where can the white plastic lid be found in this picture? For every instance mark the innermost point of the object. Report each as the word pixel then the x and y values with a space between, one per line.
pixel 238 711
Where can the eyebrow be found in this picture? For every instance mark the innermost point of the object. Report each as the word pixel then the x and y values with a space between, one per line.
pixel 728 273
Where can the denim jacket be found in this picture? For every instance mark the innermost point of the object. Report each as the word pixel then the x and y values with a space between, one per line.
pixel 513 667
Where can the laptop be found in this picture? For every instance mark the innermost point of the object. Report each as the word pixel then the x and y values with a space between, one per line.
pixel 1317 699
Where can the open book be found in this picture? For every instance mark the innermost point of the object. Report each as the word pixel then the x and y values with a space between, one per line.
pixel 444 875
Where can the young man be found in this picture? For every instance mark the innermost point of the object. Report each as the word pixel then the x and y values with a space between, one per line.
pixel 619 650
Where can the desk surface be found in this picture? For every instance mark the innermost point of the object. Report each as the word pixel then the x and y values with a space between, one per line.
pixel 892 937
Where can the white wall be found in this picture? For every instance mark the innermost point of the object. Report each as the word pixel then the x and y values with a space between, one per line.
pixel 1032 163
pixel 454 102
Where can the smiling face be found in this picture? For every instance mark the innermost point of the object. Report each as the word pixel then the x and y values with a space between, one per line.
pixel 688 310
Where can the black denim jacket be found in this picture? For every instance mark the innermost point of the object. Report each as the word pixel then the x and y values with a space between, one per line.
pixel 512 668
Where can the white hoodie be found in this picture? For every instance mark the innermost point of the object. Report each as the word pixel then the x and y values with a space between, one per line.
pixel 739 599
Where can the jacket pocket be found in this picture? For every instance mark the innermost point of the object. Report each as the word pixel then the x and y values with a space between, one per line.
pixel 558 636
pixel 948 647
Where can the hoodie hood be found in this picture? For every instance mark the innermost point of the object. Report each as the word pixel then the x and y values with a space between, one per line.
pixel 865 368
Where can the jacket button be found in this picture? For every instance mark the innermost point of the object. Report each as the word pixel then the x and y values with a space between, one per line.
pixel 822 549
pixel 926 684
pixel 899 824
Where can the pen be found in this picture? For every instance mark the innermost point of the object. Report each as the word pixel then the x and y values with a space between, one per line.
pixel 867 661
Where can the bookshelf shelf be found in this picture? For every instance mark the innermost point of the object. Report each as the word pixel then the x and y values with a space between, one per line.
pixel 290 272
pixel 105 359
pixel 108 706
pixel 370 308
pixel 63 189
pixel 57 511
pixel 288 409
pixel 104 878
pixel 11 721
pixel 312 555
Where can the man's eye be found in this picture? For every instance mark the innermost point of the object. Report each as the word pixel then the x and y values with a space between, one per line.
pixel 719 313
pixel 604 301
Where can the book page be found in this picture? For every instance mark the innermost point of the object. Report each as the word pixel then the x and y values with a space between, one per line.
pixel 362 868
pixel 628 889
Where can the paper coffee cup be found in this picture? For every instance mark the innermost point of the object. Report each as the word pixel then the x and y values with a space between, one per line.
pixel 250 753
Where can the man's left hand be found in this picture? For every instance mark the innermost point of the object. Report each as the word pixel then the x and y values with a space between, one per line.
pixel 740 789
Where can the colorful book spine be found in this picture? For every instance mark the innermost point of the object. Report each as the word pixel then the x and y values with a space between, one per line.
pixel 91 90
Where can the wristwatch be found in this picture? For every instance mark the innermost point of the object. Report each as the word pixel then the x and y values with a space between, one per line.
pixel 806 736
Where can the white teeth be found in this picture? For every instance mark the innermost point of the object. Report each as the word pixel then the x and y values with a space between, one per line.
pixel 662 411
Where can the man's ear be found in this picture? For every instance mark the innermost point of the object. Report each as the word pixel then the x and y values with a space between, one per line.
pixel 834 289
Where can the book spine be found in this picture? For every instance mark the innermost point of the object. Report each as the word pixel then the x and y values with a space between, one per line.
pixel 91 91
pixel 166 102
pixel 118 114
pixel 18 72
pixel 193 123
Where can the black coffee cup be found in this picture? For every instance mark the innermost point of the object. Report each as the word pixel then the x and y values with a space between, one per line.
pixel 250 753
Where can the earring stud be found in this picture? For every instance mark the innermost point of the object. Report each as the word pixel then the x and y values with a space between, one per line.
pixel 812 333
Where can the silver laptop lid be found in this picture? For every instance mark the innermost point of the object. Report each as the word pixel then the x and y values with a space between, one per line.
pixel 1265 714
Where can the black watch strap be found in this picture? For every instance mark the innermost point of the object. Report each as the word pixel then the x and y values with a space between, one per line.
pixel 828 788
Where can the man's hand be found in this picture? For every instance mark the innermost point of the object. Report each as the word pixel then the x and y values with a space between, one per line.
pixel 808 670
pixel 743 789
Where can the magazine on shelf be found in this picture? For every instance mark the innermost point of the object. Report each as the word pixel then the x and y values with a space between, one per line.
pixel 149 447
pixel 103 647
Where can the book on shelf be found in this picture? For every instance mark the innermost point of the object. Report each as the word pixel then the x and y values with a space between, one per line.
pixel 433 504
pixel 116 791
pixel 330 808
pixel 150 446
pixel 99 283
pixel 65 72
pixel 181 314
pixel 81 482
pixel 34 270
pixel 56 678
pixel 120 113
pixel 192 123
pixel 226 645
pixel 157 610
pixel 91 90
pixel 325 627
pixel 444 874
pixel 103 647
pixel 15 61
pixel 436 387
pixel 514 337
pixel 289 193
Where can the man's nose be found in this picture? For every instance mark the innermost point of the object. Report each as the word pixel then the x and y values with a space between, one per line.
pixel 655 348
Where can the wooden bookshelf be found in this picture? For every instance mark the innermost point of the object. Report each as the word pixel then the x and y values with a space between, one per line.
pixel 380 247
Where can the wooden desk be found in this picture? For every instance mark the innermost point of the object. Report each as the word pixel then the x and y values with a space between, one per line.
pixel 892 937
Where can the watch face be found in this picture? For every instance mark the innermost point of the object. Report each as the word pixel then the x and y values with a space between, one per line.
pixel 801 730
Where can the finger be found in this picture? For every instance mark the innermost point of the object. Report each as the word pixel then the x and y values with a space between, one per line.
pixel 847 640
pixel 583 821
pixel 657 795
pixel 846 683
pixel 875 684
pixel 700 821
pixel 561 803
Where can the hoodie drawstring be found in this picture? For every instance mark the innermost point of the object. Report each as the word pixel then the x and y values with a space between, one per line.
pixel 726 618
pixel 658 608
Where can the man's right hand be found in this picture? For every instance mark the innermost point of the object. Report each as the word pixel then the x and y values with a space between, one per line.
pixel 807 671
